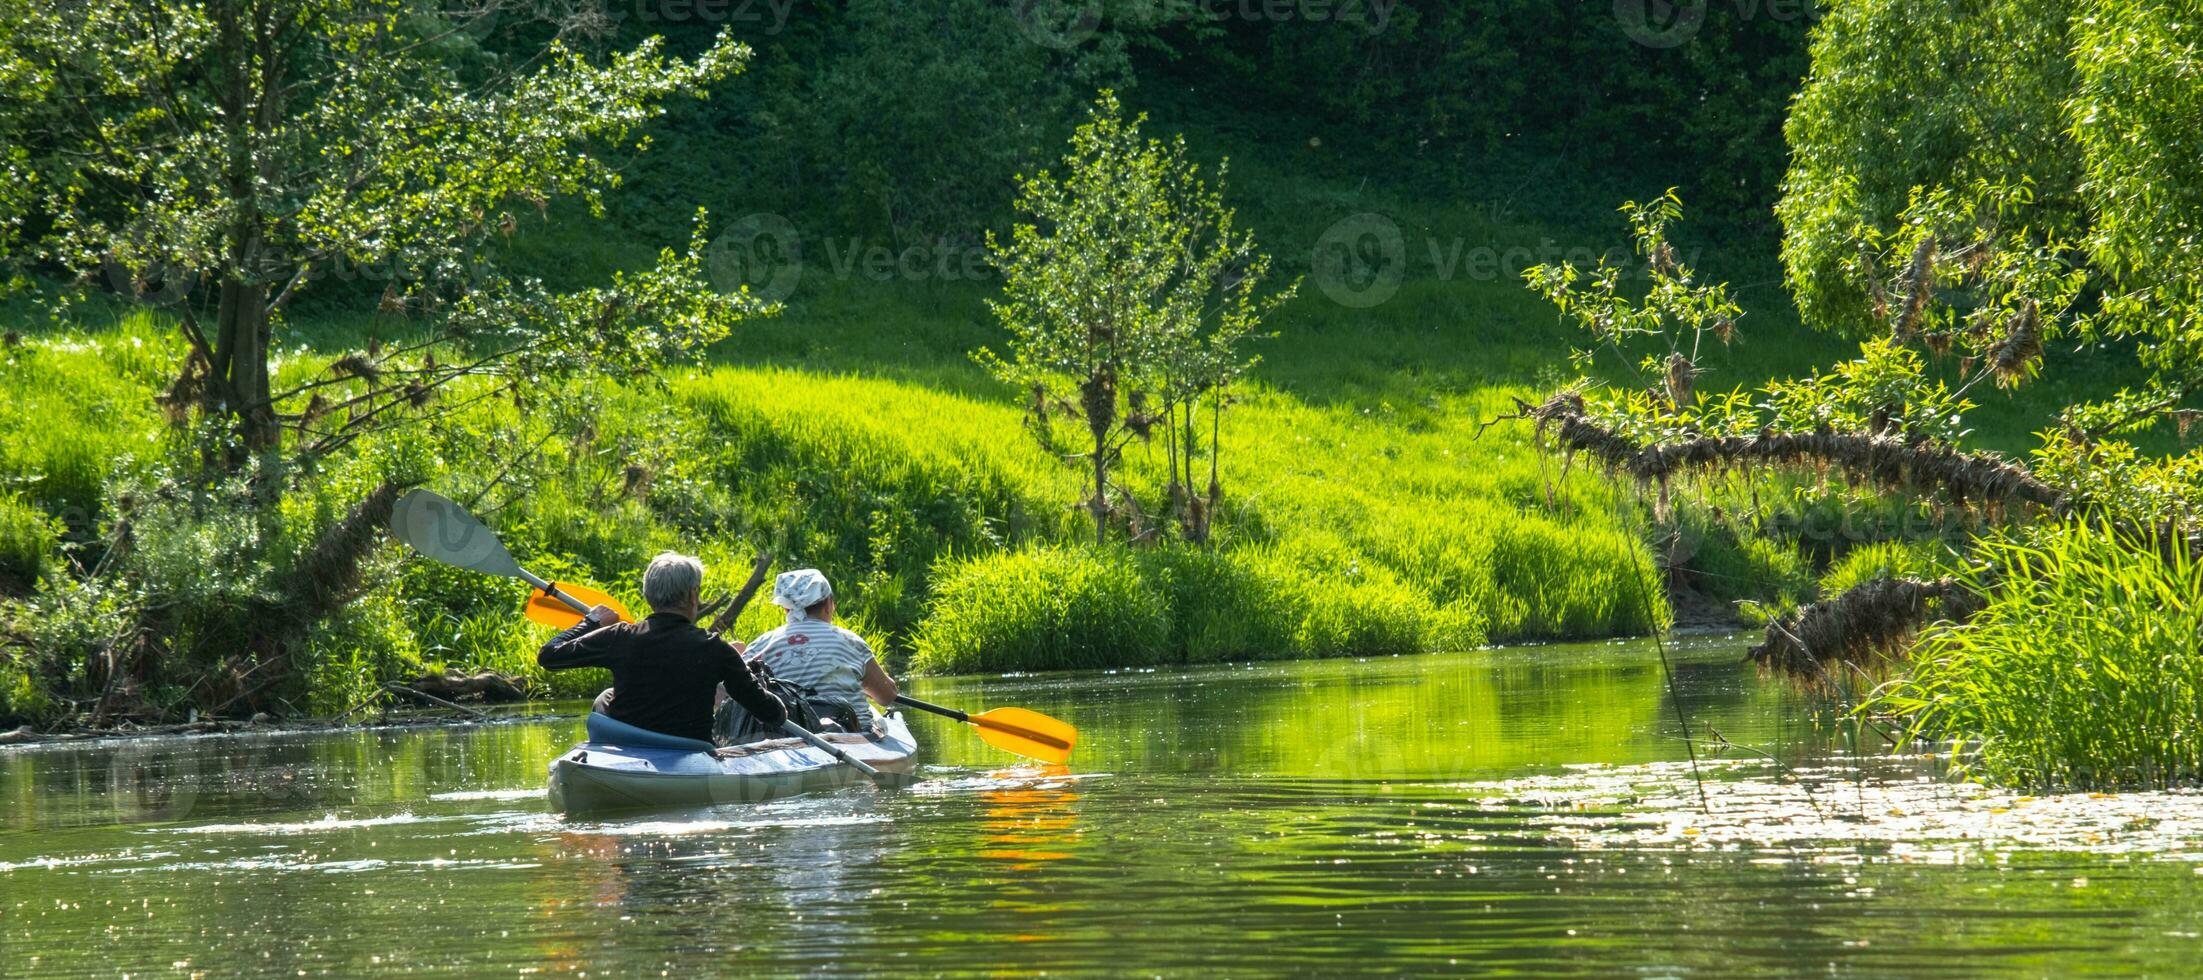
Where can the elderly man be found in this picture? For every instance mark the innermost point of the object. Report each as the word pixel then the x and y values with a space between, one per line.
pixel 666 670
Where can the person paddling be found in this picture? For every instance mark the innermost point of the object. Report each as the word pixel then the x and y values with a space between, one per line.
pixel 834 667
pixel 666 670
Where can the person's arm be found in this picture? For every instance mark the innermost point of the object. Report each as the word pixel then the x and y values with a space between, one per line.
pixel 878 686
pixel 742 686
pixel 584 644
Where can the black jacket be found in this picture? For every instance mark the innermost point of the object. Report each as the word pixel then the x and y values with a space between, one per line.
pixel 664 673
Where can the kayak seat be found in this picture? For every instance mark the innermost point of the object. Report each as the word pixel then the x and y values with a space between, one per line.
pixel 605 729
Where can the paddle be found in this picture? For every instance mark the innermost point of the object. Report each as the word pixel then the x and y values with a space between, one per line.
pixel 437 528
pixel 884 780
pixel 1016 730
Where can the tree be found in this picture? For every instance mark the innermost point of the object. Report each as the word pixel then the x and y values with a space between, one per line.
pixel 223 157
pixel 1127 294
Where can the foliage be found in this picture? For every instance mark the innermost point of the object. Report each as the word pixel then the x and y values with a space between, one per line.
pixel 27 542
pixel 2029 197
pixel 1043 609
pixel 1948 94
pixel 1886 560
pixel 2080 673
pixel 1886 390
pixel 1676 310
pixel 1127 296
pixel 1443 85
pixel 219 158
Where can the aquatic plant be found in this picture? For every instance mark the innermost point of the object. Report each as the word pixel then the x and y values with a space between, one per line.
pixel 2083 669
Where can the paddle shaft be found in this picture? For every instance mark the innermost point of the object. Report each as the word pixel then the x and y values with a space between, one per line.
pixel 910 702
pixel 1025 733
pixel 551 589
pixel 831 749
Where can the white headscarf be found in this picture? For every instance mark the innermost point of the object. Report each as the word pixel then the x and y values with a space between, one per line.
pixel 799 590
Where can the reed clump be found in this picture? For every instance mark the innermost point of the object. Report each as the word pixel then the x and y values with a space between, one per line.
pixel 2082 670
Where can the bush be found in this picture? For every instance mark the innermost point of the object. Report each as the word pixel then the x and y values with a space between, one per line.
pixel 2084 671
pixel 1883 560
pixel 347 657
pixel 1050 608
pixel 1042 609
pixel 27 541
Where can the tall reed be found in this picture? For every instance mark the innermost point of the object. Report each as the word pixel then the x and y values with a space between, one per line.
pixel 2084 671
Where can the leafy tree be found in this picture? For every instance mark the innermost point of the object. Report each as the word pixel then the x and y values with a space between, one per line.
pixel 1127 295
pixel 225 157
pixel 1947 203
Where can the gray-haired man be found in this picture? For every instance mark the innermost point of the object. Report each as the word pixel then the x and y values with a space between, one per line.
pixel 665 670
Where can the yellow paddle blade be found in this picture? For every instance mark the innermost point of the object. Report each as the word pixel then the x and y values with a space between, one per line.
pixel 1027 733
pixel 551 612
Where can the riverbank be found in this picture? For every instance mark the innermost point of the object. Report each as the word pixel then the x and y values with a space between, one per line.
pixel 1367 507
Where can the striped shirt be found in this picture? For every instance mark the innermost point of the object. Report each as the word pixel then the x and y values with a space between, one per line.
pixel 818 655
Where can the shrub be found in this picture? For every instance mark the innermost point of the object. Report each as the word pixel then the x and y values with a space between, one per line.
pixel 1887 559
pixel 1224 606
pixel 1045 608
pixel 27 541
pixel 2085 669
pixel 346 658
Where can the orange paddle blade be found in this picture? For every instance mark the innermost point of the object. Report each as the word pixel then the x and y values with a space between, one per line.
pixel 1027 733
pixel 551 612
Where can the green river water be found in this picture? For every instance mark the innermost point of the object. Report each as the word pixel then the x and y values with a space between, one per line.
pixel 1523 811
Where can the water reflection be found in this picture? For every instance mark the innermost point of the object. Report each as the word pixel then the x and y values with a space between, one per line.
pixel 1524 811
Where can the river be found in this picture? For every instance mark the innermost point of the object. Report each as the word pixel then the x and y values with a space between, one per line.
pixel 1526 810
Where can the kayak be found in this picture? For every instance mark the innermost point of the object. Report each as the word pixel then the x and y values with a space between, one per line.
pixel 622 767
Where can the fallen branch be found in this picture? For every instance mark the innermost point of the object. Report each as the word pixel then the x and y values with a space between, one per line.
pixel 1918 466
pixel 1870 624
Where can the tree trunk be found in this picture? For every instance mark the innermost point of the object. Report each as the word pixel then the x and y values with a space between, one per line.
pixel 1100 504
pixel 1098 400
pixel 249 97
pixel 240 366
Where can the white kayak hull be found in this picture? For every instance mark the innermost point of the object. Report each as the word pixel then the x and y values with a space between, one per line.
pixel 596 777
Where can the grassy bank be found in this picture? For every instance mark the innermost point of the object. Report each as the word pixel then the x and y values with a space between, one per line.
pixel 1367 508
pixel 1344 533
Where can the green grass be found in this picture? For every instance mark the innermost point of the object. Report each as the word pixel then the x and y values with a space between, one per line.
pixel 2085 671
pixel 1367 508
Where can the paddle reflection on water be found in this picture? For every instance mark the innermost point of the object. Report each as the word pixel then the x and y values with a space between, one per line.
pixel 1523 810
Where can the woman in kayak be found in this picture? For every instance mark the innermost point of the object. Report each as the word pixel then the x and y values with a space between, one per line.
pixel 833 667
pixel 666 670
